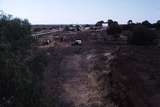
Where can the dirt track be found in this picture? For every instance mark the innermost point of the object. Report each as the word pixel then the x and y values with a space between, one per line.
pixel 69 79
pixel 78 86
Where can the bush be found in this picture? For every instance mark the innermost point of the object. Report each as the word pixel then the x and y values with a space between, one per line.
pixel 157 25
pixel 66 28
pixel 142 36
pixel 18 85
pixel 114 29
pixel 99 23
pixel 146 24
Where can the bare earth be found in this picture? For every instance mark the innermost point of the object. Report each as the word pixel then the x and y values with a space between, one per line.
pixel 97 75
pixel 71 79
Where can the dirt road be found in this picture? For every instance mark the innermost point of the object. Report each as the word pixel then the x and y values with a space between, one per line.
pixel 70 79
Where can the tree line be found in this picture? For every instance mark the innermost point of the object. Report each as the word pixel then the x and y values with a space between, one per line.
pixel 143 33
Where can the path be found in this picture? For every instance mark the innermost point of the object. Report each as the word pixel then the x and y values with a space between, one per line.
pixel 70 81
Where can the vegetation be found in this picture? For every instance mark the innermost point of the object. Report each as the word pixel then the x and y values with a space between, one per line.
pixel 113 28
pixel 99 23
pixel 146 23
pixel 157 25
pixel 20 69
pixel 66 28
pixel 142 36
pixel 130 22
pixel 77 28
pixel 110 21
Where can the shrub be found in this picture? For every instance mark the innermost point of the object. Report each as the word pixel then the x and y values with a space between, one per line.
pixel 18 85
pixel 66 28
pixel 142 36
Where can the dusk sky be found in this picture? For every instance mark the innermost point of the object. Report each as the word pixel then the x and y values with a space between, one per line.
pixel 82 11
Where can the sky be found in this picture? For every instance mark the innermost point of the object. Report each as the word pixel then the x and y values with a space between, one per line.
pixel 82 11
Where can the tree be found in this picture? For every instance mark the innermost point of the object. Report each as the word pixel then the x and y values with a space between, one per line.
pixel 130 22
pixel 110 21
pixel 157 25
pixel 100 23
pixel 18 85
pixel 146 23
pixel 158 22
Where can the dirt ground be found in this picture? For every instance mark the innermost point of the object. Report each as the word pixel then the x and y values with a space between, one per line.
pixel 101 75
pixel 70 78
